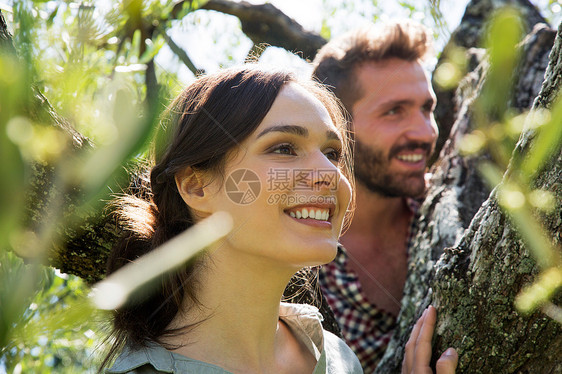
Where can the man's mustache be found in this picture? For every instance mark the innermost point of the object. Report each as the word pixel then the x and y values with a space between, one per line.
pixel 410 146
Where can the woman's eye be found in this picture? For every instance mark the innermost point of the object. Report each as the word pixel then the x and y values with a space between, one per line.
pixel 334 155
pixel 284 149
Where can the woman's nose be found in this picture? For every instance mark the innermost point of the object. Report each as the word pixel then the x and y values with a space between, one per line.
pixel 321 174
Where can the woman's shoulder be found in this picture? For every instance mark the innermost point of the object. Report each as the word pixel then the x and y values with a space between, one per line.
pixel 154 358
pixel 339 357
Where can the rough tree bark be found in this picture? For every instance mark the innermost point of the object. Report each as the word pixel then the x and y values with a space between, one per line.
pixel 266 24
pixel 469 34
pixel 485 264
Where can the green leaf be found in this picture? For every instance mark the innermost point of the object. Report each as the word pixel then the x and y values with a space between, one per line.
pixel 18 284
pixel 13 182
pixel 325 31
pixel 505 31
pixel 152 49
pixel 52 16
pixel 548 141
pixel 541 291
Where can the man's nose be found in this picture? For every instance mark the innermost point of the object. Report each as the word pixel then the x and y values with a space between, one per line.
pixel 423 128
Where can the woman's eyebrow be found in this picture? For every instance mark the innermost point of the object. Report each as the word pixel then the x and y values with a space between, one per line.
pixel 291 129
pixel 332 135
pixel 297 130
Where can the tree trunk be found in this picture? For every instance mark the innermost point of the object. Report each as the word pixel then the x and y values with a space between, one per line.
pixel 485 263
pixel 470 34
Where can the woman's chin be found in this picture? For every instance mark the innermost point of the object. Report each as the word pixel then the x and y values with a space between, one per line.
pixel 320 255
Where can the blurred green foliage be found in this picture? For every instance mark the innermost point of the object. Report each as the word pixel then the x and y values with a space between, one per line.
pixel 340 16
pixel 91 66
pixel 498 128
pixel 53 328
pixel 552 10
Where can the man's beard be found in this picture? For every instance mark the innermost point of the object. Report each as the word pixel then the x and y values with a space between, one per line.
pixel 372 170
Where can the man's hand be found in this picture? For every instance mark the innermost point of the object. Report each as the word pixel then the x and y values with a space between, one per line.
pixel 418 348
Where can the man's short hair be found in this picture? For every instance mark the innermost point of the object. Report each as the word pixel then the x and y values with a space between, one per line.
pixel 336 62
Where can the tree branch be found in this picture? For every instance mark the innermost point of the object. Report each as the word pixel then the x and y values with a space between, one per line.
pixel 6 45
pixel 264 23
pixel 180 52
pixel 255 52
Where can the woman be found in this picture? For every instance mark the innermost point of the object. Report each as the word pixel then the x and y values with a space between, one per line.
pixel 227 134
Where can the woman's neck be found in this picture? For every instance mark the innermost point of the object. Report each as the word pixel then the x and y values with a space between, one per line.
pixel 239 328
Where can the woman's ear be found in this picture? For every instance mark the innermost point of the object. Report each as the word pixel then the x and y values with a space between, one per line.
pixel 193 190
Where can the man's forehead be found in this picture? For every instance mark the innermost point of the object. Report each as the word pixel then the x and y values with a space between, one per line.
pixel 391 69
pixel 413 92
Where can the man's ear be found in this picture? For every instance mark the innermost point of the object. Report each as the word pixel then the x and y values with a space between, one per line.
pixel 193 190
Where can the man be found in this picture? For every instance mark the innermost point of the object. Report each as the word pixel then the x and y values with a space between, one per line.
pixel 378 75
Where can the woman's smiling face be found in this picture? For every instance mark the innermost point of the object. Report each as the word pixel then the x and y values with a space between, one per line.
pixel 284 185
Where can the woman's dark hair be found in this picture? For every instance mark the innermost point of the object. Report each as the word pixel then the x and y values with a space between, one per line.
pixel 200 129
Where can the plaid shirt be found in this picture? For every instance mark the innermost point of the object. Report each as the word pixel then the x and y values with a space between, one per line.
pixel 365 328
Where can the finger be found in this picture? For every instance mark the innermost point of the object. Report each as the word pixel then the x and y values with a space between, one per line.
pixel 447 363
pixel 422 354
pixel 408 362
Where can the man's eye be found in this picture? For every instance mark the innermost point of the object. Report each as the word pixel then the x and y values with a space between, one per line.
pixel 428 108
pixel 284 149
pixel 393 111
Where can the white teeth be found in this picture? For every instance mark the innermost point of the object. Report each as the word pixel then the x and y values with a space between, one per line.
pixel 319 214
pixel 410 158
